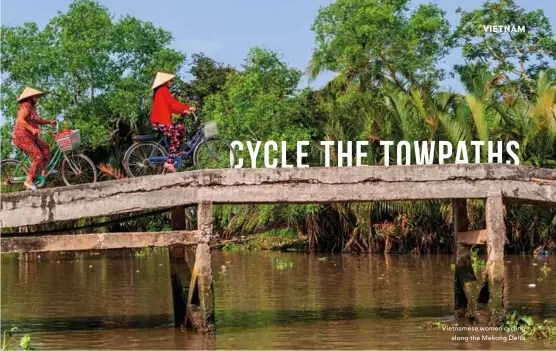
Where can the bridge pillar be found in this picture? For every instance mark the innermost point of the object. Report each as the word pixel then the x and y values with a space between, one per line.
pixel 200 302
pixel 466 285
pixel 463 259
pixel 496 238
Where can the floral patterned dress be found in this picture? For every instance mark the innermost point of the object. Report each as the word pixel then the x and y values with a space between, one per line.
pixel 35 148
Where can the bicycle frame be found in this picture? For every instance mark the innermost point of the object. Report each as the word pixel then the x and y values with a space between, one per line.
pixel 53 164
pixel 185 151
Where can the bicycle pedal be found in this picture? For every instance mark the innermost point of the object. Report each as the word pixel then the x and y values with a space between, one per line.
pixel 40 181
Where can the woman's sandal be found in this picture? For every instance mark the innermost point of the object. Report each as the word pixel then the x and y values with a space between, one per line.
pixel 30 187
pixel 170 168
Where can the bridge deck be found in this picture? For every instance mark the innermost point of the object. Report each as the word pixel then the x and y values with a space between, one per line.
pixel 281 185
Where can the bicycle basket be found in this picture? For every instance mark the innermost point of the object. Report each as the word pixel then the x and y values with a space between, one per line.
pixel 69 141
pixel 210 129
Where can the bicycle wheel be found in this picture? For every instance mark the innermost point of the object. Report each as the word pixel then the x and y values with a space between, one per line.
pixel 13 173
pixel 78 169
pixel 214 153
pixel 144 159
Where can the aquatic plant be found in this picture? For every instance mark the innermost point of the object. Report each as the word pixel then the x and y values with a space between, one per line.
pixel 435 325
pixel 478 264
pixel 513 321
pixel 283 264
pixel 526 326
pixel 545 269
pixel 140 252
pixel 9 341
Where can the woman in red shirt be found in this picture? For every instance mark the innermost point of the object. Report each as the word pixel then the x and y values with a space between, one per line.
pixel 26 134
pixel 164 105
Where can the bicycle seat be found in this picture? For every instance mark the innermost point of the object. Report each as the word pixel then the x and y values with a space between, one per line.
pixel 143 137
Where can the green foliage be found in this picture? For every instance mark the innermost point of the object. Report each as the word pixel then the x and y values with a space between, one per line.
pixel 7 150
pixel 519 56
pixel 209 78
pixel 284 233
pixel 526 326
pixel 262 103
pixel 265 242
pixel 478 264
pixel 368 41
pixel 233 247
pixel 98 69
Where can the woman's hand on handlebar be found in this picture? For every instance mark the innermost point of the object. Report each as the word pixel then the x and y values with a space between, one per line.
pixel 191 110
pixel 53 123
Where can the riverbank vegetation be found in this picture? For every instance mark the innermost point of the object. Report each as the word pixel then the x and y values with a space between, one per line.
pixel 386 58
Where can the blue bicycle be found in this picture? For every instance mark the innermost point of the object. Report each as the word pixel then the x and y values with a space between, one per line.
pixel 147 156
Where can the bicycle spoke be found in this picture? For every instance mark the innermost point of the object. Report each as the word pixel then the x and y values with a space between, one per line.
pixel 139 160
pixel 77 169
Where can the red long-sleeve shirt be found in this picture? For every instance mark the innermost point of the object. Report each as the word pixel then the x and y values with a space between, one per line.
pixel 164 105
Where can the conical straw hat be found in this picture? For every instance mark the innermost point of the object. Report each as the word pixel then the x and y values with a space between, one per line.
pixel 28 92
pixel 162 78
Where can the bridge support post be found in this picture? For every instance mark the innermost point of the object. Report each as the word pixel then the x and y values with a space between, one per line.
pixel 466 286
pixel 200 302
pixel 496 238
pixel 180 271
pixel 463 259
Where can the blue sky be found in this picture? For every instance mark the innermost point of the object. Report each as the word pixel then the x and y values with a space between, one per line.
pixel 226 29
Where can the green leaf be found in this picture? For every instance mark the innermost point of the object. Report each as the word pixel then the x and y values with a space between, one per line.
pixel 527 320
pixel 25 342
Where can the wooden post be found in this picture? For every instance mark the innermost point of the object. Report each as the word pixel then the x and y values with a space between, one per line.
pixel 466 286
pixel 180 272
pixel 176 259
pixel 200 303
pixel 496 238
pixel 463 258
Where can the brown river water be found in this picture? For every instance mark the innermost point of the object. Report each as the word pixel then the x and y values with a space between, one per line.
pixel 264 300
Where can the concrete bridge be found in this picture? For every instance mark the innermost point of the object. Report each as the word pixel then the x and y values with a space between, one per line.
pixel 194 303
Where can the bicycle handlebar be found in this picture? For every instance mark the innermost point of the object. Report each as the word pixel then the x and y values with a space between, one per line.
pixel 56 130
pixel 195 117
